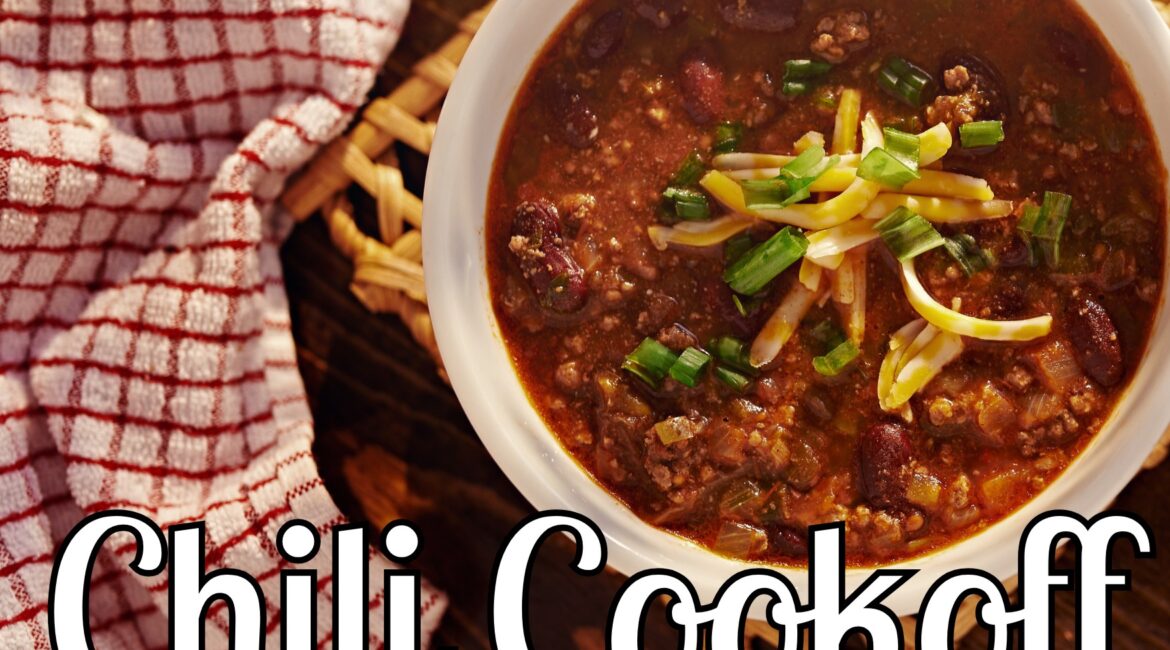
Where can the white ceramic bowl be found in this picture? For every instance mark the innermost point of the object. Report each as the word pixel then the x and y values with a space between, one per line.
pixel 489 390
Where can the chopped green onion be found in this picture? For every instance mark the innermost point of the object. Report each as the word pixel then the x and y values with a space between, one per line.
pixel 795 88
pixel 906 147
pixel 1043 226
pixel 827 99
pixel 732 378
pixel 1026 225
pixel 690 363
pixel 828 334
pixel 837 359
pixel 690 171
pixel 746 306
pixel 689 205
pixel 981 134
pixel 800 75
pixel 805 69
pixel 650 362
pixel 882 167
pixel 733 352
pixel 808 162
pixel 907 234
pixel 759 266
pixel 966 251
pixel 736 247
pixel 905 81
pixel 792 184
pixel 727 137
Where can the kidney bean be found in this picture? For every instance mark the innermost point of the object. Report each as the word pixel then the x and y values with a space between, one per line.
pixel 571 110
pixel 790 542
pixel 1095 341
pixel 993 91
pixel 552 273
pixel 773 16
pixel 885 461
pixel 703 88
pixel 605 35
pixel 1069 50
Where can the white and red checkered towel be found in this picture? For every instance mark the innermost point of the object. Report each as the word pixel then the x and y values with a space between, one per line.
pixel 145 355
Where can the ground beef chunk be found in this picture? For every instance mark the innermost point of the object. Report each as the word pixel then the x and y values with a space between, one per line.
pixel 677 337
pixel 677 464
pixel 965 102
pixel 840 34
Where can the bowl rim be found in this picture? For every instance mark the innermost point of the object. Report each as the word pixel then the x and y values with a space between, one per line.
pixel 488 388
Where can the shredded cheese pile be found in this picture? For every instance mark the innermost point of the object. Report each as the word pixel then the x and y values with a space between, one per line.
pixel 840 229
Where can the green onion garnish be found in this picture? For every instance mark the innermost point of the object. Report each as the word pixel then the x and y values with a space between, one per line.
pixel 727 137
pixel 792 184
pixel 690 171
pixel 746 306
pixel 906 147
pixel 967 252
pixel 733 352
pixel 882 167
pixel 689 205
pixel 732 378
pixel 759 266
pixel 795 88
pixel 736 247
pixel 837 359
pixel 828 334
pixel 1043 226
pixel 800 75
pixel 905 81
pixel 981 134
pixel 690 363
pixel 805 69
pixel 907 234
pixel 827 99
pixel 650 362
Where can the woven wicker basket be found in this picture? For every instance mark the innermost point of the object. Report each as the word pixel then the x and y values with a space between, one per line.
pixel 388 272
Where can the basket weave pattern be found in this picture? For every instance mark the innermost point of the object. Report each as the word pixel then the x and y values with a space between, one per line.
pixel 388 273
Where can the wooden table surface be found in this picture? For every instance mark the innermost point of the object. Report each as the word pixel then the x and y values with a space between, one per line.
pixel 393 442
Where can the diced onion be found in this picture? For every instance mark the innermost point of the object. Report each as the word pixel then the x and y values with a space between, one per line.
pixel 699 233
pixel 938 210
pixel 963 325
pixel 677 429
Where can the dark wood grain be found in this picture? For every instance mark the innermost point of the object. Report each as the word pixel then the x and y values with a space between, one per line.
pixel 393 442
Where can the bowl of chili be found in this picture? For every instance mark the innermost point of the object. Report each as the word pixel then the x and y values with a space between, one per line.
pixel 563 347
